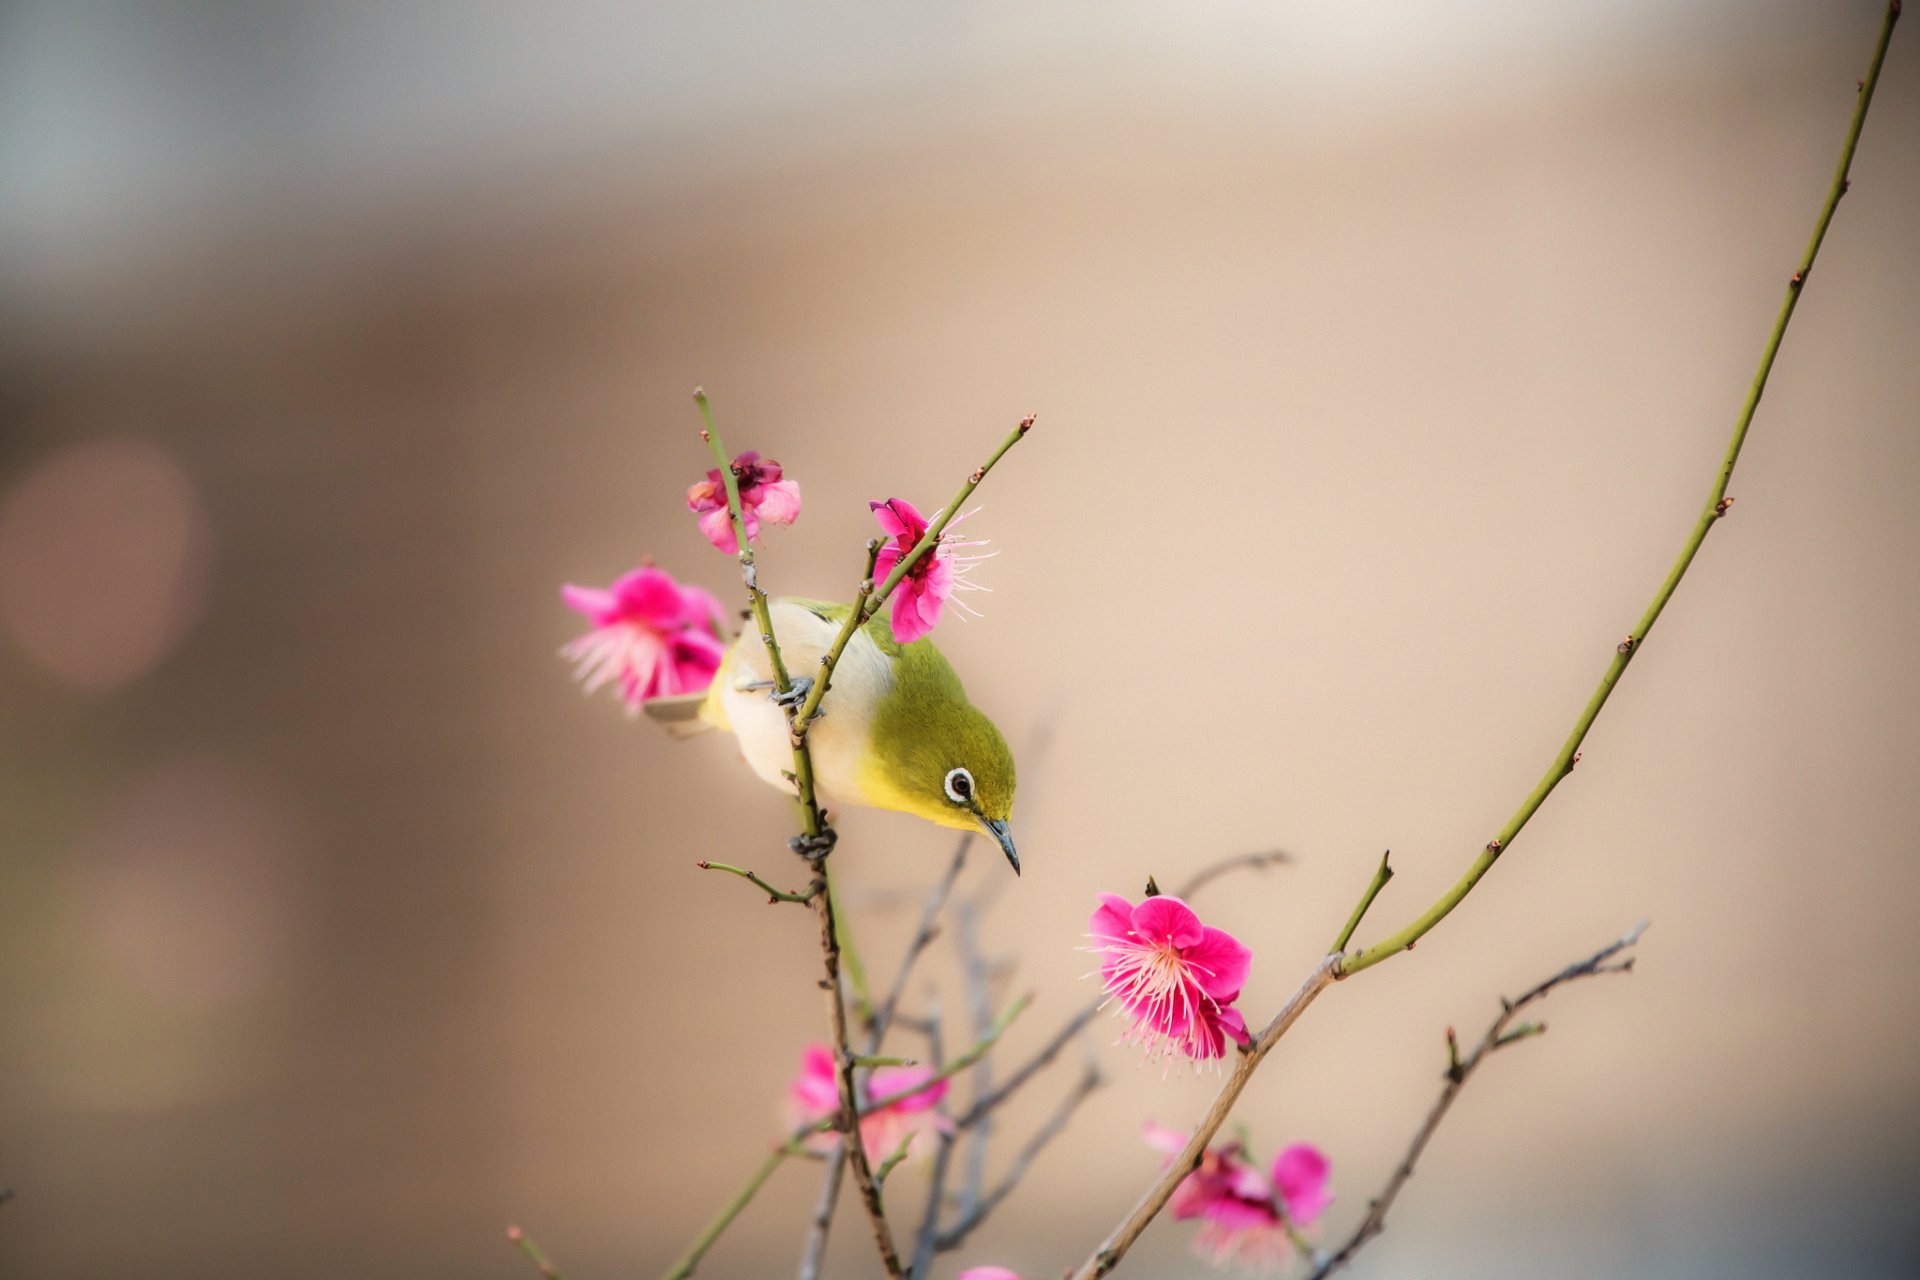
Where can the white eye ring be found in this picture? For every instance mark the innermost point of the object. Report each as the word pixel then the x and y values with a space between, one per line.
pixel 959 786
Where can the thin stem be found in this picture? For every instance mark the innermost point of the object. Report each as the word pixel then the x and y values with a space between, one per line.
pixel 1213 871
pixel 1380 877
pixel 922 935
pixel 1459 1070
pixel 870 603
pixel 524 1243
pixel 687 1261
pixel 977 1212
pixel 849 1117
pixel 973 965
pixel 823 1206
pixel 1716 508
pixel 773 894
pixel 850 958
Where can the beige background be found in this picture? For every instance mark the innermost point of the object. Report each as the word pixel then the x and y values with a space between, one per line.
pixel 1382 356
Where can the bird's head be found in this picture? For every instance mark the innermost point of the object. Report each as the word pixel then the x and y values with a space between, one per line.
pixel 939 758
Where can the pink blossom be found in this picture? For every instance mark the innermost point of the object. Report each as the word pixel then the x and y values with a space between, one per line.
pixel 934 578
pixel 986 1273
pixel 1175 977
pixel 652 635
pixel 1244 1213
pixel 763 496
pixel 815 1095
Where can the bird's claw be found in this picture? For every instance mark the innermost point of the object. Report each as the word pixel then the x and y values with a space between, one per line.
pixel 814 847
pixel 796 693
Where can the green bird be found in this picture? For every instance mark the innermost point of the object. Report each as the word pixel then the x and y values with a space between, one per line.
pixel 895 731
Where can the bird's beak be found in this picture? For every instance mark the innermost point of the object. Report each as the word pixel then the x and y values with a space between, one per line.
pixel 998 830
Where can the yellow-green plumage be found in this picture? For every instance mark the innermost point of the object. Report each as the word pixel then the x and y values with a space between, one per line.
pixel 897 723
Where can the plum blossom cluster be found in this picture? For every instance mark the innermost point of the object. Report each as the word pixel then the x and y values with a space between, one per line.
pixel 1248 1216
pixel 1173 978
pixel 653 637
pixel 764 495
pixel 912 1120
pixel 934 578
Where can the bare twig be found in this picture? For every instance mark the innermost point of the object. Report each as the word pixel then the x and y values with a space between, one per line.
pixel 1711 513
pixel 973 964
pixel 922 935
pixel 1499 1035
pixel 773 895
pixel 976 1213
pixel 1381 875
pixel 823 1206
pixel 1239 861
pixel 524 1243
pixel 1338 965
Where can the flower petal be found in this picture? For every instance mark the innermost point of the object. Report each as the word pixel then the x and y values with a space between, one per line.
pixel 1219 963
pixel 717 524
pixel 780 501
pixel 1113 918
pixel 1234 1024
pixel 887 1081
pixel 649 596
pixel 707 494
pixel 592 601
pixel 899 519
pixel 1167 919
pixel 908 625
pixel 1300 1175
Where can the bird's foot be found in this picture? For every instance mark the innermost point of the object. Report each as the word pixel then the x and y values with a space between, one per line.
pixel 796 693
pixel 814 847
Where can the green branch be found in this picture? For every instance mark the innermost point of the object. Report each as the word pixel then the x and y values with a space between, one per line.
pixel 773 894
pixel 1711 513
pixel 1381 875
pixel 871 600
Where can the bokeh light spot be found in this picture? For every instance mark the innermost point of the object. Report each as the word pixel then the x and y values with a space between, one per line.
pixel 105 551
pixel 190 885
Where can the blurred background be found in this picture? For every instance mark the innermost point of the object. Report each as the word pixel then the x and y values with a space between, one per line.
pixel 1382 355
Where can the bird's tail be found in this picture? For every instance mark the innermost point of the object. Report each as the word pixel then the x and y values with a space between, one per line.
pixel 681 715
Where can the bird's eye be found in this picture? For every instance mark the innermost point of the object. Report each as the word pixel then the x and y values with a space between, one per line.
pixel 959 786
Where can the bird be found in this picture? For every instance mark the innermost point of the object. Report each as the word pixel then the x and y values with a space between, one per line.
pixel 894 731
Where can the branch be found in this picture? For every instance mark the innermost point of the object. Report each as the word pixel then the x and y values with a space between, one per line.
pixel 823 1206
pixel 973 1216
pixel 922 935
pixel 848 1120
pixel 1213 871
pixel 1379 882
pixel 525 1245
pixel 973 964
pixel 871 601
pixel 773 895
pixel 1717 506
pixel 1459 1070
